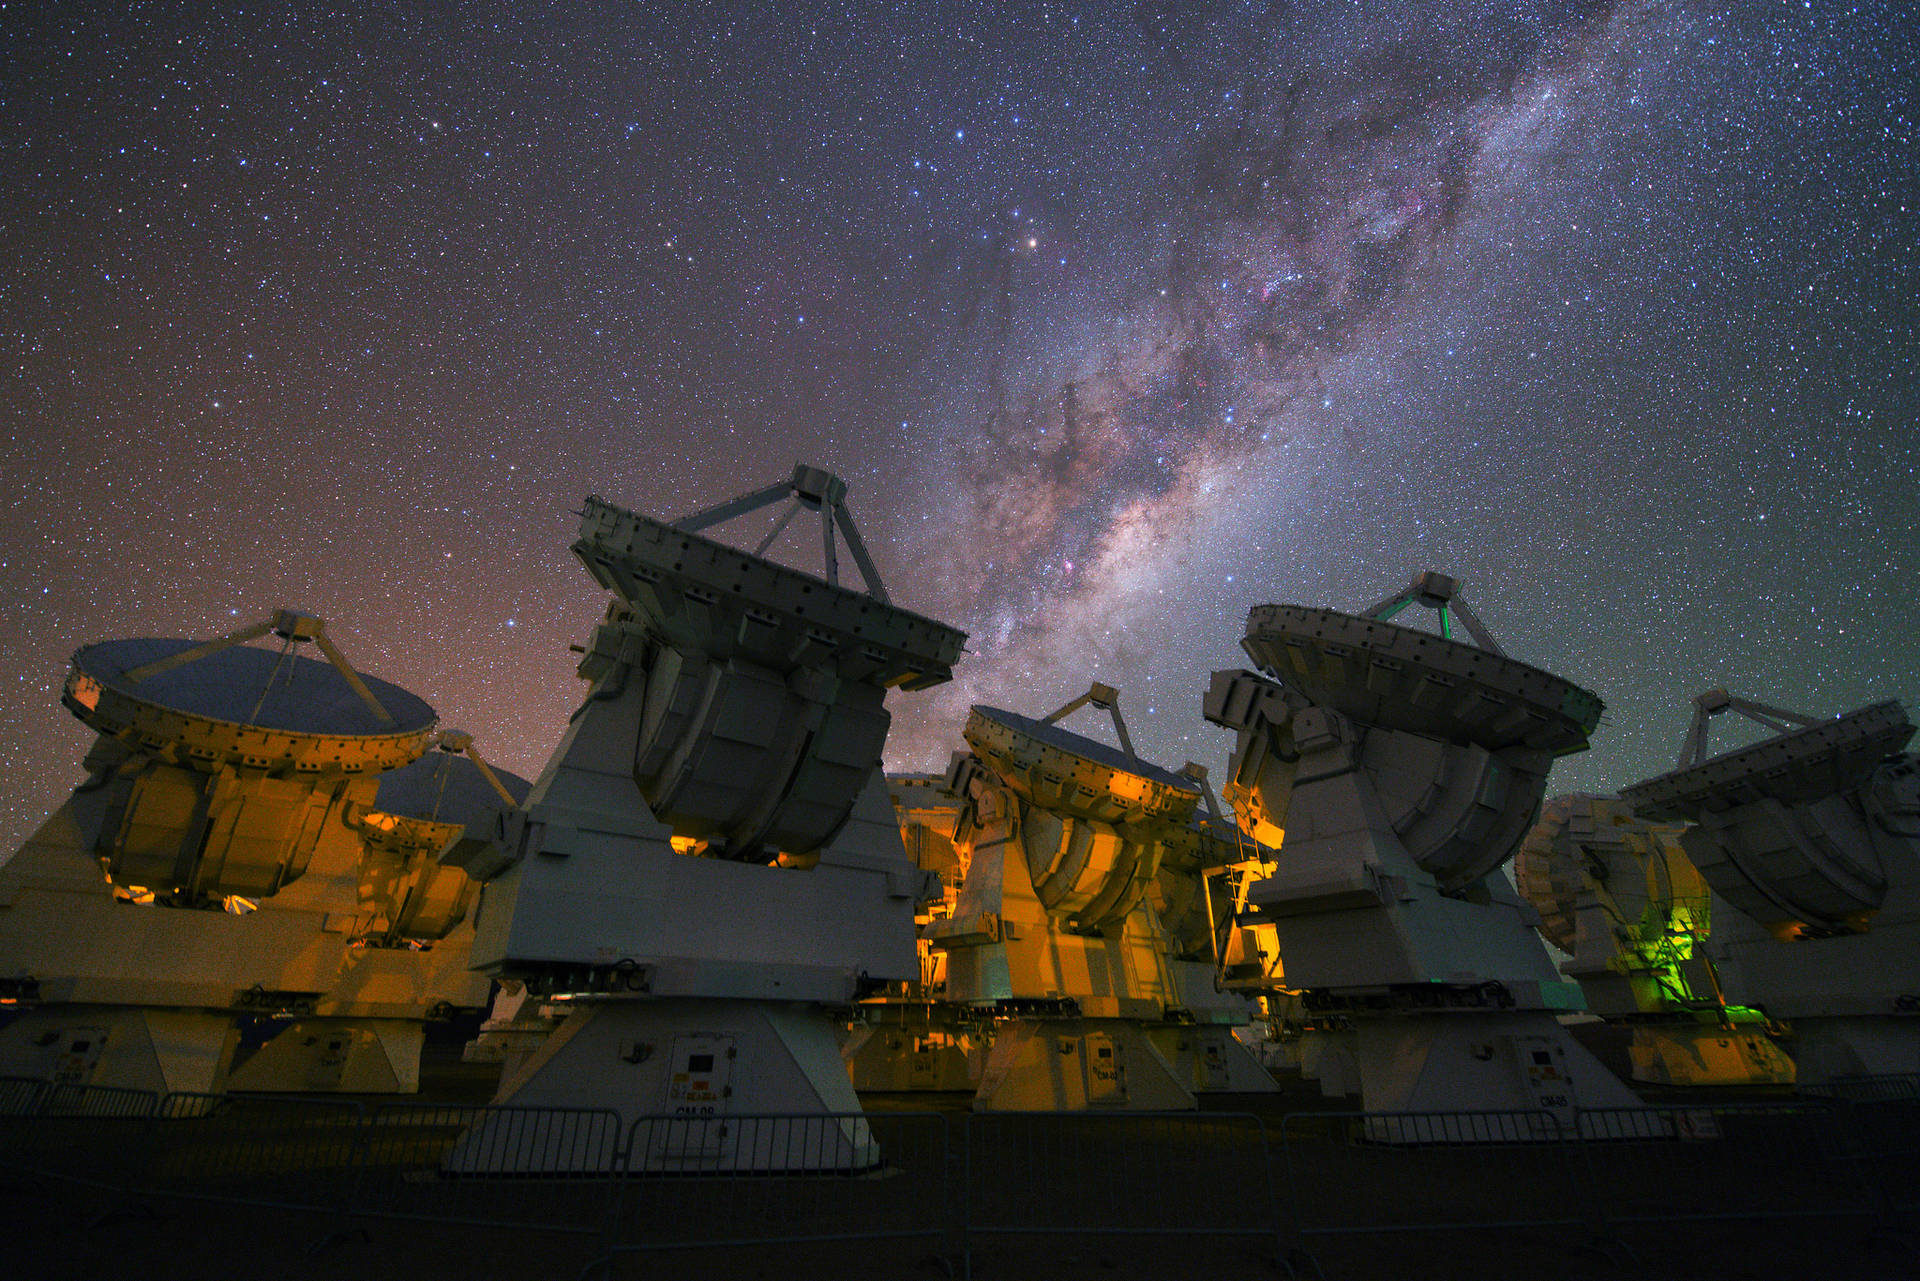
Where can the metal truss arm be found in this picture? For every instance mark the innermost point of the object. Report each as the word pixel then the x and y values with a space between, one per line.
pixel 1480 634
pixel 197 652
pixel 843 517
pixel 352 677
pixel 1107 699
pixel 734 507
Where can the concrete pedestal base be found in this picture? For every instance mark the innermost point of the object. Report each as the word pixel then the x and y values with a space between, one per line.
pixel 128 1047
pixel 1328 1058
pixel 516 1026
pixel 896 1057
pixel 1855 1045
pixel 1209 1059
pixel 1061 1065
pixel 1468 1061
pixel 694 1073
pixel 316 1055
pixel 1697 1054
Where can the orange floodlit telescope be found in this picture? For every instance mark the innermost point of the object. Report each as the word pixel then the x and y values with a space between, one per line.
pixel 1190 897
pixel 928 814
pixel 1100 817
pixel 419 810
pixel 175 716
pixel 1047 765
pixel 223 775
pixel 908 1038
pixel 1075 845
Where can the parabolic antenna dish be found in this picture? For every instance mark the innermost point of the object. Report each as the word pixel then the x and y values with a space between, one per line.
pixel 764 710
pixel 446 787
pixel 417 811
pixel 701 593
pixel 1097 819
pixel 1797 767
pixel 1597 845
pixel 1379 673
pixel 1058 769
pixel 243 706
pixel 928 814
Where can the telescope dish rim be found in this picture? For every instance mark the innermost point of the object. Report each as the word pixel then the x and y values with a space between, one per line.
pixel 178 709
pixel 1051 738
pixel 1204 832
pixel 614 544
pixel 1565 714
pixel 472 795
pixel 412 714
pixel 1682 793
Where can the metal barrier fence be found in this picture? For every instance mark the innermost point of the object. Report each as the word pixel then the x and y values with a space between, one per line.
pixel 1883 1114
pixel 82 1134
pixel 1884 1121
pixel 26 1096
pixel 1868 1089
pixel 1118 1174
pixel 19 1095
pixel 281 1152
pixel 1889 1136
pixel 100 1101
pixel 763 1180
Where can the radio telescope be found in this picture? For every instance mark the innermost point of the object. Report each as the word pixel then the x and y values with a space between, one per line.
pixel 408 960
pixel 1054 927
pixel 1404 768
pixel 1620 895
pixel 709 868
pixel 205 869
pixel 1810 839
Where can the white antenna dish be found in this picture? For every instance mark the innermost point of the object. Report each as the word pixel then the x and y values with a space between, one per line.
pixel 710 864
pixel 1779 872
pixel 1814 836
pixel 1381 673
pixel 1404 768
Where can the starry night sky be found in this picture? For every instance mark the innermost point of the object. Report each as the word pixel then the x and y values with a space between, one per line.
pixel 1118 320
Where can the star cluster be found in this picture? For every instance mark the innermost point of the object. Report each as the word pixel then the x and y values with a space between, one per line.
pixel 1118 320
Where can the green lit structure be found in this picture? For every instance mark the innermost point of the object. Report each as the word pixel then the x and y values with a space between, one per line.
pixel 1620 895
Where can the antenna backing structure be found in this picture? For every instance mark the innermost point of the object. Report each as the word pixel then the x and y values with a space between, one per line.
pixel 1618 893
pixel 808 489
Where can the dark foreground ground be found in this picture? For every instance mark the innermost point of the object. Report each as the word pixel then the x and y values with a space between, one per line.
pixel 1255 1187
pixel 51 1234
